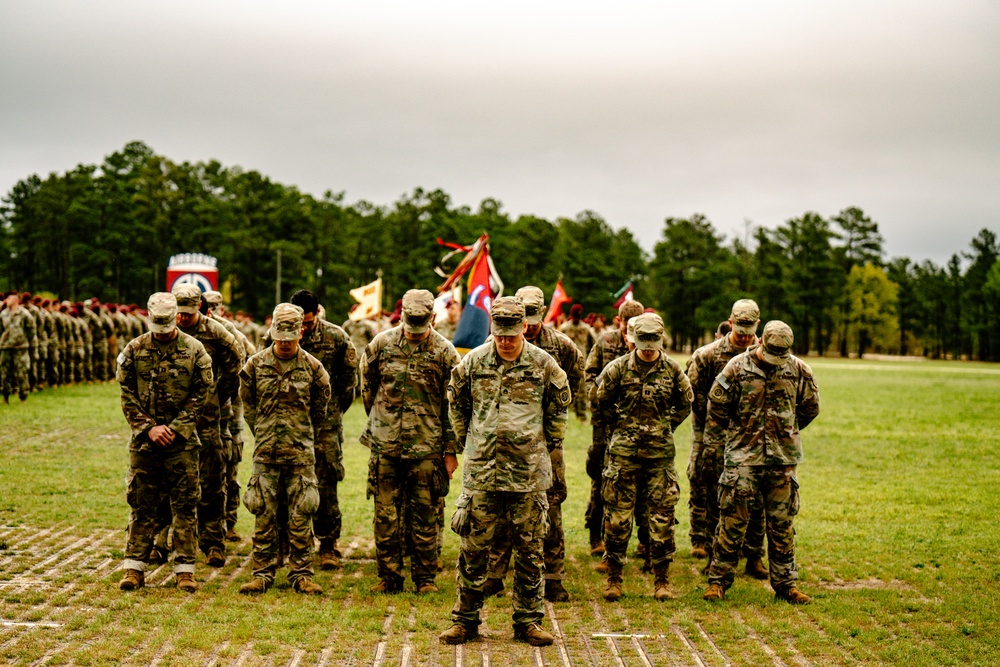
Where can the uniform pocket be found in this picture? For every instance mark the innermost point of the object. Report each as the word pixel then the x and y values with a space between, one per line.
pixel 253 498
pixel 372 476
pixel 727 488
pixel 793 504
pixel 461 521
pixel 131 490
pixel 307 501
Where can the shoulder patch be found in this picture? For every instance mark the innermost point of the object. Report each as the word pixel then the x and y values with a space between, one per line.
pixel 121 359
pixel 723 380
pixel 565 397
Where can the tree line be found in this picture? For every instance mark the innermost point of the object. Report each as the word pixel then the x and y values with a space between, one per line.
pixel 108 230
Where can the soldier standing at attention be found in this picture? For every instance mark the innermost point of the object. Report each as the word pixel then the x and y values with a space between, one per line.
pixel 642 399
pixel 165 378
pixel 580 333
pixel 405 373
pixel 285 392
pixel 566 354
pixel 610 345
pixel 508 402
pixel 757 406
pixel 17 339
pixel 225 353
pixel 705 464
pixel 332 347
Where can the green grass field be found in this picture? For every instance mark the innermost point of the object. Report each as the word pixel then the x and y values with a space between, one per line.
pixel 897 542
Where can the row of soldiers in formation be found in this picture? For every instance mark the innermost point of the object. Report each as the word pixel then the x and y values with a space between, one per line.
pixel 504 406
pixel 48 343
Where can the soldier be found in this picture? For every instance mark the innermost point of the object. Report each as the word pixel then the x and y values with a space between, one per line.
pixel 225 354
pixel 165 378
pixel 40 349
pixel 580 333
pixel 446 327
pixel 508 402
pixel 285 392
pixel 756 408
pixel 566 354
pixel 361 332
pixel 332 347
pixel 17 340
pixel 642 399
pixel 405 373
pixel 231 421
pixel 54 330
pixel 610 345
pixel 705 464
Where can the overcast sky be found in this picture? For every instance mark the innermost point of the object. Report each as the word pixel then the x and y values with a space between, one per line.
pixel 741 111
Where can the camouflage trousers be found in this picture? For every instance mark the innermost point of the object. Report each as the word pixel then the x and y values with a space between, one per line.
pixel 626 480
pixel 212 475
pixel 99 360
pixel 53 366
pixel 153 478
pixel 14 365
pixel 407 489
pixel 708 467
pixel 273 488
pixel 481 513
pixel 554 547
pixel 329 472
pixel 739 488
pixel 232 447
pixel 594 515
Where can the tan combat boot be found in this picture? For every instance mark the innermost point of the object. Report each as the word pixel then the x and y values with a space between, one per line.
pixel 699 551
pixel 328 560
pixel 714 592
pixel 307 586
pixel 494 586
pixel 792 595
pixel 387 587
pixel 756 569
pixel 232 535
pixel 215 557
pixel 255 586
pixel 427 588
pixel 533 634
pixel 459 634
pixel 555 591
pixel 661 584
pixel 597 548
pixel 613 589
pixel 186 582
pixel 132 580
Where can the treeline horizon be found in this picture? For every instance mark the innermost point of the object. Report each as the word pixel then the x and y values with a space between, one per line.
pixel 108 230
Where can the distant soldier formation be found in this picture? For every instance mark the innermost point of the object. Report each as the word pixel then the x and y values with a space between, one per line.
pixel 191 375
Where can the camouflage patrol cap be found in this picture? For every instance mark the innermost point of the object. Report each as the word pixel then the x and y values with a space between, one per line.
pixel 534 304
pixel 286 322
pixel 776 343
pixel 212 298
pixel 418 306
pixel 745 316
pixel 630 331
pixel 188 298
pixel 162 308
pixel 648 331
pixel 507 316
pixel 629 309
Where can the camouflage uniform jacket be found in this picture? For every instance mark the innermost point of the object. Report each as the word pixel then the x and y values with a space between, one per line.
pixel 609 347
pixel 561 348
pixel 581 334
pixel 362 332
pixel 757 415
pixel 225 353
pixel 164 387
pixel 446 328
pixel 508 419
pixel 643 411
pixel 405 392
pixel 702 368
pixel 17 329
pixel 248 348
pixel 284 409
pixel 332 346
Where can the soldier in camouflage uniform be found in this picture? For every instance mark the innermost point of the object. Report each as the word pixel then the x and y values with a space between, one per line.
pixel 405 373
pixel 705 465
pixel 361 332
pixel 642 398
pixel 580 333
pixel 610 345
pixel 566 354
pixel 17 340
pixel 508 406
pixel 446 327
pixel 225 353
pixel 38 351
pixel 285 392
pixel 165 378
pixel 231 417
pixel 757 406
pixel 332 347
